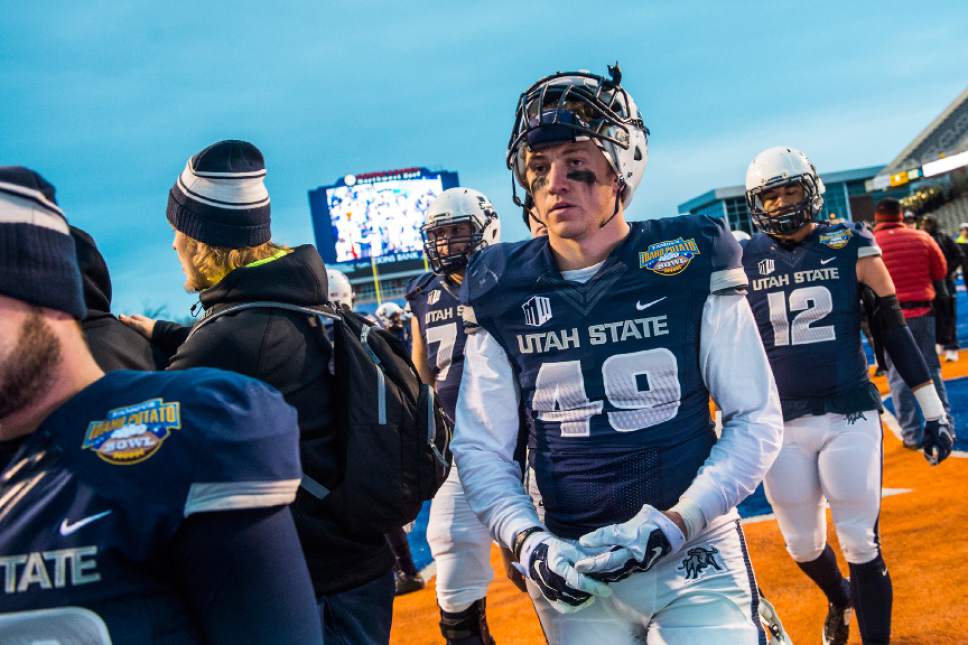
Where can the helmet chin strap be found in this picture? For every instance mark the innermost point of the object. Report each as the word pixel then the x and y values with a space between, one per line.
pixel 618 196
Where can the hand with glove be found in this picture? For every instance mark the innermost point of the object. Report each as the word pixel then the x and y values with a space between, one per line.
pixel 939 439
pixel 636 545
pixel 550 563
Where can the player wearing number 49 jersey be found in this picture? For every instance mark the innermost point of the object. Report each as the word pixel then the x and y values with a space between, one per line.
pixel 806 282
pixel 612 336
pixel 459 222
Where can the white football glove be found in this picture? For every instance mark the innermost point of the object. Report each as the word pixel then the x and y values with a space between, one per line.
pixel 550 563
pixel 636 545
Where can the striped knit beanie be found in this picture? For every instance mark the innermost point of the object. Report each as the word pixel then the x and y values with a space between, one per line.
pixel 220 198
pixel 37 261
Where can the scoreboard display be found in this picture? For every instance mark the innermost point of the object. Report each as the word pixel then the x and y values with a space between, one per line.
pixel 375 217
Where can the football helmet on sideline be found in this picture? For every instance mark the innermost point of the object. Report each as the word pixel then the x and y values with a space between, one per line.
pixel 340 291
pixel 445 249
pixel 776 167
pixel 581 106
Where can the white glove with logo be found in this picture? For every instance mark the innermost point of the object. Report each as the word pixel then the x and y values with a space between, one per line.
pixel 636 545
pixel 550 563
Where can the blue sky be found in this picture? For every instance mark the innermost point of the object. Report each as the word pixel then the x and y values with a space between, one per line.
pixel 109 99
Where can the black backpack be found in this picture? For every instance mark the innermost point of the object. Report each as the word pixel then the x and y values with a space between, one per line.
pixel 394 437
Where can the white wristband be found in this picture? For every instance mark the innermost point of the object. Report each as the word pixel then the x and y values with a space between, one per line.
pixel 930 402
pixel 692 516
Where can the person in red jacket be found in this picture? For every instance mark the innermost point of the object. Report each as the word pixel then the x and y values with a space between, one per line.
pixel 918 269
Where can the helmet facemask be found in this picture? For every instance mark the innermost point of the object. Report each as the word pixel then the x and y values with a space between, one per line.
pixel 580 106
pixel 785 220
pixel 452 261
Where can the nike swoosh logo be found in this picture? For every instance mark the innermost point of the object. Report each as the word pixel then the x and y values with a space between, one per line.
pixel 656 552
pixel 66 528
pixel 828 260
pixel 639 306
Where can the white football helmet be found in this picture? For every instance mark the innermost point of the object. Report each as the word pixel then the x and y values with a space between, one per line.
pixel 340 291
pixel 781 166
pixel 581 106
pixel 446 252
pixel 386 312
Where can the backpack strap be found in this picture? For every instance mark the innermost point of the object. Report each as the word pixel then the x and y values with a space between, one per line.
pixel 307 483
pixel 265 304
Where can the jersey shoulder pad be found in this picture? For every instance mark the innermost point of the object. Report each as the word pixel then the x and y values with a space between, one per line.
pixel 498 265
pixel 494 265
pixel 245 442
pixel 722 252
pixel 419 284
pixel 864 239
pixel 200 439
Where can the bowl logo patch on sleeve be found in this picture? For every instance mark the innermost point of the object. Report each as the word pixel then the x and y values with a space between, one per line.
pixel 133 433
pixel 670 257
pixel 836 239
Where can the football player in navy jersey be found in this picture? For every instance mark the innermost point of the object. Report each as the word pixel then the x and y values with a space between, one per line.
pixel 806 281
pixel 611 334
pixel 135 507
pixel 459 222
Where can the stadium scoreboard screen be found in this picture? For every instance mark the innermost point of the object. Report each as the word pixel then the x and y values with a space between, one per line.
pixel 375 217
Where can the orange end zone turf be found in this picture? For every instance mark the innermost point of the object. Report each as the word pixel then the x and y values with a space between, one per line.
pixel 924 534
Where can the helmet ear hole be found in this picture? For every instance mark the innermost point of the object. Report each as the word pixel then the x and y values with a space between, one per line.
pixel 638 154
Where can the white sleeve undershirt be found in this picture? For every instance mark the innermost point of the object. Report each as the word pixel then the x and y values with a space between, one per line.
pixel 736 372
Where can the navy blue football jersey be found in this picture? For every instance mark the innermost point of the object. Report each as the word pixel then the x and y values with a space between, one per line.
pixel 609 370
pixel 91 500
pixel 807 306
pixel 435 302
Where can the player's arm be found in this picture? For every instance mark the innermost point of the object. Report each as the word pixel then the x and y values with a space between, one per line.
pixel 890 332
pixel 752 419
pixel 418 353
pixel 244 577
pixel 485 437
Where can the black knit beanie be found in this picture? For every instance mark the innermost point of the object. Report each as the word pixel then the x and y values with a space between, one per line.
pixel 37 261
pixel 220 198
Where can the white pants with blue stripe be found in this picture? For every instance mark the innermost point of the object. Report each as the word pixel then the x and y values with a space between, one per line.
pixel 704 594
pixel 833 458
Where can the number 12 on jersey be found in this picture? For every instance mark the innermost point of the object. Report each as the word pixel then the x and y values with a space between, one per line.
pixel 813 303
pixel 644 386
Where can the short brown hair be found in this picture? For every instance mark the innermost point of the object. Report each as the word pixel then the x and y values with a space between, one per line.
pixel 212 263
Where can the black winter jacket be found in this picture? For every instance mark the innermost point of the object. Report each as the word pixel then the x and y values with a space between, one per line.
pixel 114 345
pixel 288 351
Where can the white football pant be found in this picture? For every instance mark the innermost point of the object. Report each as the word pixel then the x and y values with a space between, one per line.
pixel 704 594
pixel 838 459
pixel 461 547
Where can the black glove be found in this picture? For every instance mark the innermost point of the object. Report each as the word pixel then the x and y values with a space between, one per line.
pixel 939 438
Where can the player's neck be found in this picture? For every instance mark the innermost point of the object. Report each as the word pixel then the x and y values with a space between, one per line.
pixel 578 253
pixel 800 234
pixel 75 372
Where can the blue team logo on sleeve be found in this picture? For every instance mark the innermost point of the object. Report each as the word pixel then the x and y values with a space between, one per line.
pixel 836 239
pixel 670 257
pixel 133 433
